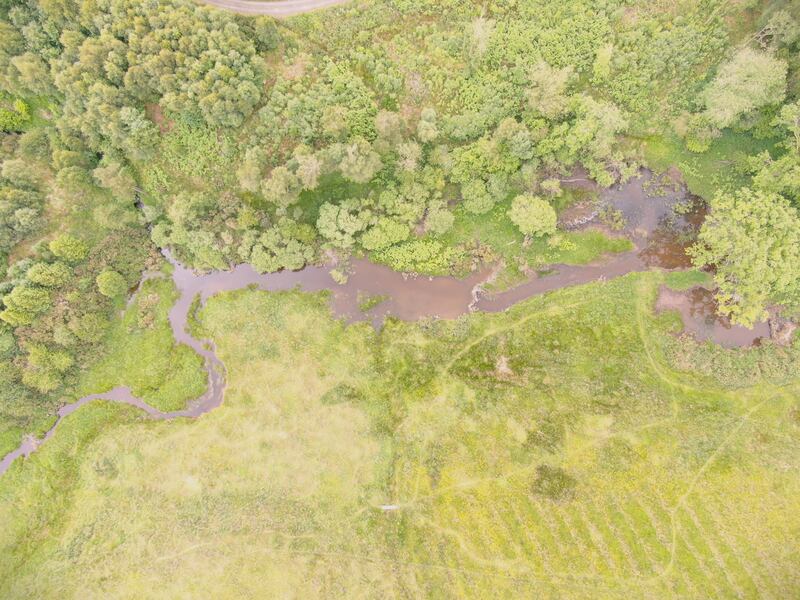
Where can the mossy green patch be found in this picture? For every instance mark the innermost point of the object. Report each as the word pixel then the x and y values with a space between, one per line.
pixel 684 280
pixel 368 302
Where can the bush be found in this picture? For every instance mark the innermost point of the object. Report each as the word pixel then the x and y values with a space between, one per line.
pixel 420 256
pixel 15 119
pixel 553 483
pixel 111 284
pixel 49 275
pixel 69 248
pixel 533 215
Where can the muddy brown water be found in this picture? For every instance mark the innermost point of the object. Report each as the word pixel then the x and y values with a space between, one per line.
pixel 658 234
pixel 698 310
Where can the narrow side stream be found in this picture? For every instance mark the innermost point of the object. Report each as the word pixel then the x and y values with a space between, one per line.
pixel 659 236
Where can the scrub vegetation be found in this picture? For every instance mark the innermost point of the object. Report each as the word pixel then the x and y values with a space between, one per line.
pixel 555 450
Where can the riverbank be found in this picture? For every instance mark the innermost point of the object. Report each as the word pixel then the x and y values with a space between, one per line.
pixel 660 221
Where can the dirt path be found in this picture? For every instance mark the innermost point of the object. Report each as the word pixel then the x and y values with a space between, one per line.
pixel 279 9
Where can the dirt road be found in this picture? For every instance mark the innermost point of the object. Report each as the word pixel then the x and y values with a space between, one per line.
pixel 282 8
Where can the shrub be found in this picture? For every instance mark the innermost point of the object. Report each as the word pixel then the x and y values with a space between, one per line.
pixel 69 248
pixel 111 284
pixel 533 215
pixel 553 483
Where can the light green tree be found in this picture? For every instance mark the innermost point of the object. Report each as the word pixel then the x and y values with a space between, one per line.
pixel 21 173
pixel 334 121
pixel 45 367
pixel 515 139
pixel 309 169
pixel 548 91
pixel 389 126
pixel 409 154
pixel 386 232
pixel 360 162
pixel 111 284
pixel 24 304
pixel 533 215
pixel 49 275
pixel 33 74
pixel 477 199
pixel 285 246
pixel 439 221
pixel 789 118
pixel 752 238
pixel 69 248
pixel 479 35
pixel 427 129
pixel 282 187
pixel 749 81
pixel 340 223
pixel 249 170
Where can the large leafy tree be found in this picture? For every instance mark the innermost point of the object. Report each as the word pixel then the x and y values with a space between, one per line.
pixel 285 246
pixel 111 284
pixel 533 215
pixel 359 162
pixel 340 224
pixel 752 238
pixel 749 81
pixel 24 304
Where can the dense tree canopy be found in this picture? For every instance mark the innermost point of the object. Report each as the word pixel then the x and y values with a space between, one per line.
pixel 244 140
pixel 185 58
pixel 751 80
pixel 753 241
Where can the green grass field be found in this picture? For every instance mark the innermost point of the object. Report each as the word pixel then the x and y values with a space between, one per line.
pixel 552 451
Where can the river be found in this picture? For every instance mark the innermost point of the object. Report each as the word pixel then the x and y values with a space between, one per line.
pixel 659 235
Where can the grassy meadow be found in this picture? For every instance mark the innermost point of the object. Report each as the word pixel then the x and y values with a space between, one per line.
pixel 552 451
pixel 722 167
